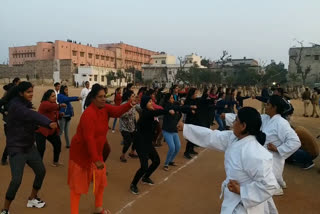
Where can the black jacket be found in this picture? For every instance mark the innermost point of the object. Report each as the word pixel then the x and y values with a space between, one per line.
pixel 146 128
pixel 22 122
pixel 170 122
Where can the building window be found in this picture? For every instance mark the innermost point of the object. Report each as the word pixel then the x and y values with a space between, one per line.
pixel 102 78
pixel 95 78
pixel 107 58
pixel 74 53
pixel 82 54
pixel 97 56
pixel 90 55
pixel 316 57
pixel 163 62
pixel 102 57
pixel 156 61
pixel 112 59
pixel 90 79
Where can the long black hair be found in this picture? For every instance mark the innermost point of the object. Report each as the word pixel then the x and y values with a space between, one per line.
pixel 47 95
pixel 126 96
pixel 251 117
pixel 62 90
pixel 92 94
pixel 16 90
pixel 191 93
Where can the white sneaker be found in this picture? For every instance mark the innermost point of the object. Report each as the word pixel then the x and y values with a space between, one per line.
pixel 278 192
pixel 112 131
pixel 36 202
pixel 5 212
pixel 283 185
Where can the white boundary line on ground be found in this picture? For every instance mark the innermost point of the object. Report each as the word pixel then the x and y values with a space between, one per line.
pixel 161 182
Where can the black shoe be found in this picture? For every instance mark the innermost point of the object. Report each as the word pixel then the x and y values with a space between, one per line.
pixel 133 155
pixel 193 152
pixel 187 155
pixel 172 164
pixel 147 181
pixel 134 189
pixel 123 160
pixel 4 162
pixel 308 166
pixel 68 147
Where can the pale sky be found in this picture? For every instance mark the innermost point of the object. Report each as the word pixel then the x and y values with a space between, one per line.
pixel 259 29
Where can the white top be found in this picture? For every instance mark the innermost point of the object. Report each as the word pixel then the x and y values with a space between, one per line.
pixel 247 162
pixel 56 92
pixel 84 93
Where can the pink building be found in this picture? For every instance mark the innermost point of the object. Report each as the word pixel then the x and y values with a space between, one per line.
pixel 128 55
pixel 118 55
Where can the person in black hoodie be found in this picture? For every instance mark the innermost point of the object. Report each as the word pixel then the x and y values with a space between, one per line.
pixel 4 112
pixel 22 122
pixel 240 99
pixel 192 99
pixel 143 143
pixel 170 130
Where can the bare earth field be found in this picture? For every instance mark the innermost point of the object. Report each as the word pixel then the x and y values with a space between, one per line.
pixel 193 187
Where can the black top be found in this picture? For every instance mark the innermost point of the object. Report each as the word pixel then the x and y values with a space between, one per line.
pixel 170 122
pixel 146 127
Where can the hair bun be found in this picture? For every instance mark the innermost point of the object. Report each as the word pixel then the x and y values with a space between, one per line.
pixel 261 137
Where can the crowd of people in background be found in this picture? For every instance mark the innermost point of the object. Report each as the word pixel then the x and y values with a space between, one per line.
pixel 147 120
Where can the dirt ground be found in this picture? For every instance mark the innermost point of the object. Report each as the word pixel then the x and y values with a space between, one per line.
pixel 191 187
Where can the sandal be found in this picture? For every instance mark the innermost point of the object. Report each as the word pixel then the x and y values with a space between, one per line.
pixel 104 211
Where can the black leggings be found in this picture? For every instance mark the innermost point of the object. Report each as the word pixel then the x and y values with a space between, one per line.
pixel 17 163
pixel 54 140
pixel 5 151
pixel 189 147
pixel 144 170
pixel 128 138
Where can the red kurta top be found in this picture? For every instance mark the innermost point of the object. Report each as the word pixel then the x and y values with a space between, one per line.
pixel 118 99
pixel 87 144
pixel 51 111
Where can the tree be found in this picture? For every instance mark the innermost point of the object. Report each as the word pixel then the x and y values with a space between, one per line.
pixel 294 77
pixel 205 63
pixel 246 76
pixel 138 76
pixel 224 58
pixel 297 57
pixel 275 73
pixel 182 75
pixel 120 76
pixel 111 76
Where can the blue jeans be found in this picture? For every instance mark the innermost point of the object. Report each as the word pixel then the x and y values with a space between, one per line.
pixel 173 141
pixel 219 121
pixel 114 123
pixel 301 157
pixel 64 128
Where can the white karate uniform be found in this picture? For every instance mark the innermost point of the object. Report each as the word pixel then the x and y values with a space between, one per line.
pixel 247 162
pixel 84 93
pixel 278 132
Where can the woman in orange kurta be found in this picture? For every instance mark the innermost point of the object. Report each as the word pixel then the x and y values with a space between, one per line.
pixel 86 152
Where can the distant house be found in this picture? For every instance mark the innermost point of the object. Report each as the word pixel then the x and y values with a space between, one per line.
pixel 164 68
pixel 310 56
